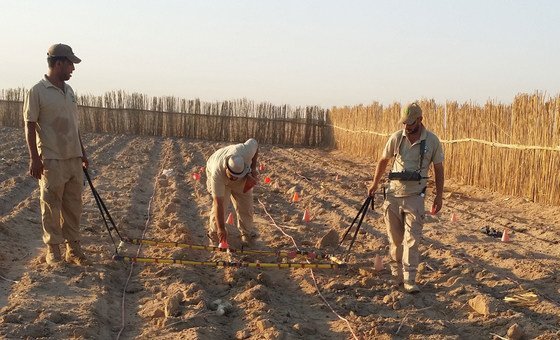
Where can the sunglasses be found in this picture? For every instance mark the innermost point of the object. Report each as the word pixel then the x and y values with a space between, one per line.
pixel 414 122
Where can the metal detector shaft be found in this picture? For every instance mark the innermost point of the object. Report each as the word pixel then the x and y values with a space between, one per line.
pixel 103 210
pixel 366 204
pixel 364 207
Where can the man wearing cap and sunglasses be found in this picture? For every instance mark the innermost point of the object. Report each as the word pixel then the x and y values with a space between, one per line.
pixel 231 172
pixel 412 149
pixel 57 155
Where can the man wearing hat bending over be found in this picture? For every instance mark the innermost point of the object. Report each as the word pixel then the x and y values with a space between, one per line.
pixel 230 173
pixel 412 149
pixel 57 154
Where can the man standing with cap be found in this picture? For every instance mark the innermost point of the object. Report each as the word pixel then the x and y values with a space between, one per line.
pixel 57 154
pixel 231 171
pixel 412 149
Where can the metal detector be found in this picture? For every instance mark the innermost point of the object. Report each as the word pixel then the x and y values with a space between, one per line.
pixel 361 215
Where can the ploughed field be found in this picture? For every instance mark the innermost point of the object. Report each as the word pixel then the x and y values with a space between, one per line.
pixel 473 285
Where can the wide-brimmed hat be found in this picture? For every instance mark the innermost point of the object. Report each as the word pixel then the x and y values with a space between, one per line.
pixel 61 50
pixel 252 143
pixel 237 167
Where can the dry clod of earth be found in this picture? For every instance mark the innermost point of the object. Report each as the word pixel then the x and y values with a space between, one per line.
pixel 258 292
pixel 330 239
pixel 484 304
pixel 263 325
pixel 515 332
pixel 388 299
pixel 244 334
pixel 172 305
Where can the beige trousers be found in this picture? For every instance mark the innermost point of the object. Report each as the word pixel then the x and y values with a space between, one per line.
pixel 61 199
pixel 404 218
pixel 242 203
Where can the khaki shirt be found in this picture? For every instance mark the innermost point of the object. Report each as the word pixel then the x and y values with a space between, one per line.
pixel 216 166
pixel 407 157
pixel 56 115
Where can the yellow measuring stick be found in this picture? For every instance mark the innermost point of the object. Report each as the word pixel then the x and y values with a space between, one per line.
pixel 224 264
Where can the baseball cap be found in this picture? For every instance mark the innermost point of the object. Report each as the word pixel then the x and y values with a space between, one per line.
pixel 410 113
pixel 236 166
pixel 61 50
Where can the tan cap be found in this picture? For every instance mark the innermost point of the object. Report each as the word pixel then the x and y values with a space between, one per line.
pixel 61 50
pixel 410 113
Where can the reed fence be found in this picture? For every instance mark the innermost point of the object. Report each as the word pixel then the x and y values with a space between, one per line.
pixel 513 149
pixel 233 121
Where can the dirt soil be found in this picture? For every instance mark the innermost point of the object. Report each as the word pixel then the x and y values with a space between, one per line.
pixel 464 275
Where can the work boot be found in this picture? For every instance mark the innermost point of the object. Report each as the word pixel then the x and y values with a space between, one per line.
pixel 75 255
pixel 411 287
pixel 397 275
pixel 53 254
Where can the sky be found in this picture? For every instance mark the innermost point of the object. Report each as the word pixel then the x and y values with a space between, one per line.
pixel 296 52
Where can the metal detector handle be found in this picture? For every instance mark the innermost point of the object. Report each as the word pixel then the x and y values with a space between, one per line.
pixel 86 173
pixel 384 193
